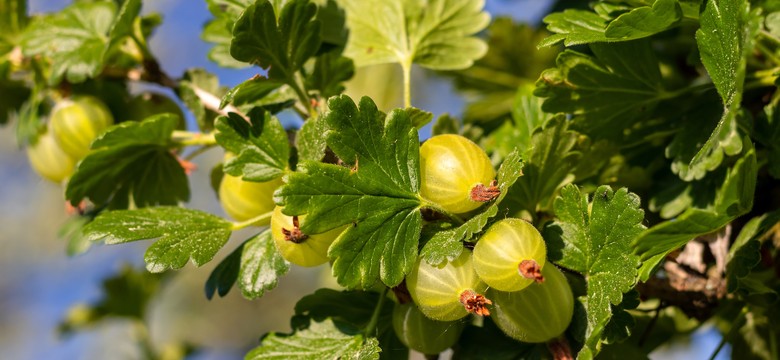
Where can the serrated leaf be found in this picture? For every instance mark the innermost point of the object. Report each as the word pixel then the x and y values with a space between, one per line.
pixel 261 266
pixel 131 160
pixel 260 145
pixel 445 124
pixel 574 27
pixel 378 197
pixel 419 117
pixel 322 340
pixel 75 40
pixel 355 308
pixel 309 141
pixel 645 21
pixel 218 30
pixel 597 243
pixel 184 234
pixel 436 34
pixel 744 253
pixel 194 81
pixel 550 160
pixel 448 244
pixel 331 70
pixel 733 199
pixel 607 92
pixel 281 46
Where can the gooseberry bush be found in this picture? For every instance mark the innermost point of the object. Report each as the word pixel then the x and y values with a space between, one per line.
pixel 612 183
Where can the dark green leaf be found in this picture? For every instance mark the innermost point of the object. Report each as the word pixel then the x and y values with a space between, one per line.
pixel 183 234
pixel 193 82
pixel 310 140
pixel 261 266
pixel 744 253
pixel 75 40
pixel 281 47
pixel 488 342
pixel 378 197
pixel 734 199
pixel 131 159
pixel 260 146
pixel 597 243
pixel 224 275
pixel 549 165
pixel 767 132
pixel 331 70
pixel 448 244
pixel 607 93
pixel 434 34
pixel 218 30
pixel 645 21
pixel 322 340
pixel 14 96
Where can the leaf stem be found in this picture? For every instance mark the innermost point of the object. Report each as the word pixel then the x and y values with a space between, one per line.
pixel 734 327
pixel 260 220
pixel 198 151
pixel 406 67
pixel 295 81
pixel 375 315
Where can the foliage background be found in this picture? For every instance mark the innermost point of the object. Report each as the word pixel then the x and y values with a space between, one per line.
pixel 38 283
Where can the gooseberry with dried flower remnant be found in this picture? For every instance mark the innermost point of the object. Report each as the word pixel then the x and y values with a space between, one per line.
pixel 295 246
pixel 510 255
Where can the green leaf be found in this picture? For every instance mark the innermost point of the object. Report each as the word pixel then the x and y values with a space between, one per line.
pixel 322 340
pixel 725 41
pixel 13 17
pixel 14 96
pixel 378 197
pixel 260 145
pixel 448 244
pixel 734 199
pixel 225 274
pixel 597 243
pixel 124 21
pixel 309 141
pixel 549 165
pixel 218 30
pixel 488 342
pixel 645 21
pixel 436 34
pixel 331 70
pixel 445 124
pixel 261 266
pixel 194 81
pixel 418 117
pixel 281 47
pixel 74 38
pixel 250 91
pixel 72 232
pixel 183 234
pixel 606 93
pixel 131 160
pixel 745 252
pixel 355 308
pixel 767 132
pixel 574 27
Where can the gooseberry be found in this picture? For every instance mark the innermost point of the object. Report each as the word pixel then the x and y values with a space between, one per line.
pixel 510 255
pixel 49 160
pixel 77 121
pixel 456 173
pixel 422 334
pixel 244 200
pixel 449 292
pixel 538 313
pixel 295 246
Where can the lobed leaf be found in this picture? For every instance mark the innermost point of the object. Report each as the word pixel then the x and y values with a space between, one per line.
pixel 597 243
pixel 607 92
pixel 183 234
pixel 378 197
pixel 131 160
pixel 322 340
pixel 260 145
pixel 436 34
pixel 281 45
pixel 745 252
pixel 261 266
pixel 331 70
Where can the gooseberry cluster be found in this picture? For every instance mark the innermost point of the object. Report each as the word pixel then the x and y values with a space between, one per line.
pixel 506 275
